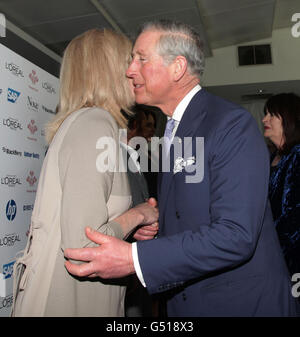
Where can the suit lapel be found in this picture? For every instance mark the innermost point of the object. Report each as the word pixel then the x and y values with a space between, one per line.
pixel 194 113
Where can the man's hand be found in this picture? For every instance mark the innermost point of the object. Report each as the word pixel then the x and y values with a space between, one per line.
pixel 111 259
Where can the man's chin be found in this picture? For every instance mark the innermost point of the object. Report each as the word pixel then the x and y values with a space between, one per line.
pixel 140 100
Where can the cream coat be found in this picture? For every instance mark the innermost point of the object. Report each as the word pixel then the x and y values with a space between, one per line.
pixel 71 195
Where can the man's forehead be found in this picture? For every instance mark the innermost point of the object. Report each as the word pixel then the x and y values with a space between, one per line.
pixel 145 40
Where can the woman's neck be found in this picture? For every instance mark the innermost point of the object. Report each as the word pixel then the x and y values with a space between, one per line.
pixel 278 142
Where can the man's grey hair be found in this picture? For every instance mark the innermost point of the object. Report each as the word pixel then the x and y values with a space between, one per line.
pixel 178 39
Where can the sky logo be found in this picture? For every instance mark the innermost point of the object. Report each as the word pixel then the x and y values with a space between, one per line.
pixel 296 26
pixel 11 210
pixel 12 95
pixel 8 269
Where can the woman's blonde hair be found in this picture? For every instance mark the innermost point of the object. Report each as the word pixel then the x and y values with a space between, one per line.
pixel 93 74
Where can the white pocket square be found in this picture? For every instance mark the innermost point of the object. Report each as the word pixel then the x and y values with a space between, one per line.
pixel 180 163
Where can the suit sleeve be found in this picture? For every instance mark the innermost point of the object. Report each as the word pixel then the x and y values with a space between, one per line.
pixel 238 173
pixel 85 190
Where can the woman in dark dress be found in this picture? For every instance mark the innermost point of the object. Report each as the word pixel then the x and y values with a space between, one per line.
pixel 282 128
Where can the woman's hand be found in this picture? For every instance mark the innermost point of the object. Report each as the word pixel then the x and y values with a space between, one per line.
pixel 143 214
pixel 149 211
pixel 147 231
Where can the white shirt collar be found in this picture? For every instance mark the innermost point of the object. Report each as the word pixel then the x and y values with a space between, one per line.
pixel 178 112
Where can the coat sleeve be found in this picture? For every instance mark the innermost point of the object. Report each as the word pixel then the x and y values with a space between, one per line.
pixel 238 173
pixel 288 224
pixel 85 190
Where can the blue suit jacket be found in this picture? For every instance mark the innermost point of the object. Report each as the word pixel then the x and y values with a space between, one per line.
pixel 218 253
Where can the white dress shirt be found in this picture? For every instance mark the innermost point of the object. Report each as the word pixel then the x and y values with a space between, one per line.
pixel 177 115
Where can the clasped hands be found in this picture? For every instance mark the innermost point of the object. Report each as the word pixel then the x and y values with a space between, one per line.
pixel 113 257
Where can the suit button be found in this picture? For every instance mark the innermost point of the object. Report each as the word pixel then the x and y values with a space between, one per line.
pixel 177 215
pixel 184 296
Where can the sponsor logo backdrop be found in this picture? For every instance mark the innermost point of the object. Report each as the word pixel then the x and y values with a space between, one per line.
pixel 28 99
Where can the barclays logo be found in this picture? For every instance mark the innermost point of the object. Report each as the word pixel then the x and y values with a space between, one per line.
pixel 12 95
pixel 11 210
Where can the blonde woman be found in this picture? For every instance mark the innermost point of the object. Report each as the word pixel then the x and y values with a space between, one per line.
pixel 73 193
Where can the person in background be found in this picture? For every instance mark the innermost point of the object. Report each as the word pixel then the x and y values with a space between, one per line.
pixel 138 302
pixel 144 125
pixel 282 128
pixel 137 182
pixel 75 190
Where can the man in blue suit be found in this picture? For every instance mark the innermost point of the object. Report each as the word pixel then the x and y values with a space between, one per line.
pixel 217 253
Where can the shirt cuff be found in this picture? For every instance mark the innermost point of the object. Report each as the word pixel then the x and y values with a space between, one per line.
pixel 136 264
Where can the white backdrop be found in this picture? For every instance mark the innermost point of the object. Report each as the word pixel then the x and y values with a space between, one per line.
pixel 28 99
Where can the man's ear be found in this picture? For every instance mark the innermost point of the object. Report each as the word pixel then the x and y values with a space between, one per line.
pixel 180 67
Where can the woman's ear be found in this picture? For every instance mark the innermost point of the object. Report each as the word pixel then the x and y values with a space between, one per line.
pixel 180 67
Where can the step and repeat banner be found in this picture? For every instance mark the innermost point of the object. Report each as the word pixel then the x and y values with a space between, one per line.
pixel 28 100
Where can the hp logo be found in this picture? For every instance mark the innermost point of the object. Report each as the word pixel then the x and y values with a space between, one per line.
pixel 11 210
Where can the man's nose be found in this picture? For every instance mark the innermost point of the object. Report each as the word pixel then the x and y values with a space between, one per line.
pixel 131 69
